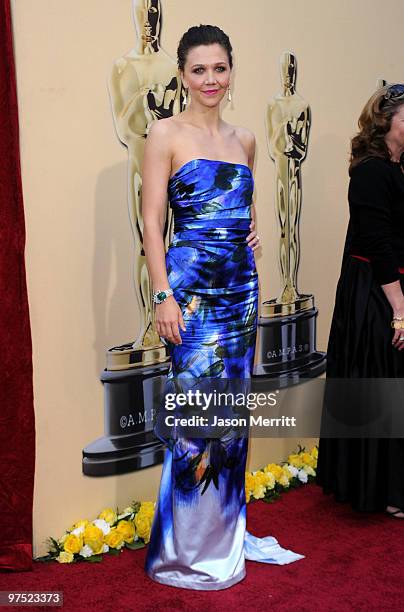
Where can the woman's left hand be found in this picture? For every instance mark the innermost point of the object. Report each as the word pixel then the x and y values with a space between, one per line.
pixel 398 337
pixel 253 240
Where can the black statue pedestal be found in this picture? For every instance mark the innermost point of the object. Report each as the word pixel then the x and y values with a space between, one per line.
pixel 129 443
pixel 286 342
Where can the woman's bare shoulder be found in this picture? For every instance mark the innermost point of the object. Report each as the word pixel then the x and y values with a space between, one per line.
pixel 244 132
pixel 165 126
pixel 247 139
pixel 162 134
pixel 166 130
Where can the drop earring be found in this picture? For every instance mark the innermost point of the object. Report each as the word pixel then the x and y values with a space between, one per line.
pixel 185 97
pixel 228 94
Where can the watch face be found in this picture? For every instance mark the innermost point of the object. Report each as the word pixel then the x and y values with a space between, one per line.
pixel 161 296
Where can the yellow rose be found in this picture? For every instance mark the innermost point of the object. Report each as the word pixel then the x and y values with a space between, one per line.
pixel 259 482
pixel 259 491
pixel 109 515
pixel 148 505
pixel 249 485
pixel 65 557
pixel 284 481
pixel 286 473
pixel 249 481
pixel 73 543
pixel 94 537
pixel 114 538
pixel 269 480
pixel 81 523
pixel 259 478
pixel 309 470
pixel 314 451
pixel 274 469
pixel 146 509
pixel 295 460
pixel 308 459
pixel 127 530
pixel 143 527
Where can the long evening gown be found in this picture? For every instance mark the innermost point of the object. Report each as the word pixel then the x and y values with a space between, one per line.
pixel 199 538
pixel 367 472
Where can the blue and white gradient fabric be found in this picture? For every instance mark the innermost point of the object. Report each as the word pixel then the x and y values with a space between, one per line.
pixel 199 538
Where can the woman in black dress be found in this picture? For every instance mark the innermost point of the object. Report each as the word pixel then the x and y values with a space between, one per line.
pixel 367 331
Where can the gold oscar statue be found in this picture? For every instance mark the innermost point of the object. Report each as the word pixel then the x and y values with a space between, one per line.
pixel 288 123
pixel 144 86
pixel 286 339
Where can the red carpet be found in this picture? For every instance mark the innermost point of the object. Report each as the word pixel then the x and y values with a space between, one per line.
pixel 353 562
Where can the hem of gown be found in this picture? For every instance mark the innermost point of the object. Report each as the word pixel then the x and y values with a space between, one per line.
pixel 199 586
pixel 339 498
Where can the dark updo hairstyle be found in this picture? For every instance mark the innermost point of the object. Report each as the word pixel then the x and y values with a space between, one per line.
pixel 202 35
pixel 374 123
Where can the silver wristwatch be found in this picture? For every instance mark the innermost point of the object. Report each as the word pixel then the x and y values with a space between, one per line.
pixel 161 296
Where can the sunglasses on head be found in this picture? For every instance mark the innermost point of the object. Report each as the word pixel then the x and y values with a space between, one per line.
pixel 393 92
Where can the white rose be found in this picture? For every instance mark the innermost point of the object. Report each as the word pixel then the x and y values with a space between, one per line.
pixel 302 475
pixel 292 469
pixel 78 530
pixel 103 525
pixel 86 551
pixel 105 548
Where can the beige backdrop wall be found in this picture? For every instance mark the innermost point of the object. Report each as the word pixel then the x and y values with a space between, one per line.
pixel 79 242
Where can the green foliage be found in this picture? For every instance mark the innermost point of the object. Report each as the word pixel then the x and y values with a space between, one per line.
pixel 135 545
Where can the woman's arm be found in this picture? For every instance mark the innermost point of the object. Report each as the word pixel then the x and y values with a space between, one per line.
pixel 370 195
pixel 155 174
pixel 248 139
pixel 395 296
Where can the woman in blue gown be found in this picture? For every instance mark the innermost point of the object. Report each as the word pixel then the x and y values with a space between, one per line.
pixel 206 294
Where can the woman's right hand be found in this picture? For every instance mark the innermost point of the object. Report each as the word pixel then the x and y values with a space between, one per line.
pixel 168 317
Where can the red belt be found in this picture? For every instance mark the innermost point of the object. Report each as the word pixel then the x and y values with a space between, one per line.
pixel 401 270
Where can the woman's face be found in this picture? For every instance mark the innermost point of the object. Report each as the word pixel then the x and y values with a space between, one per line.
pixel 396 133
pixel 207 74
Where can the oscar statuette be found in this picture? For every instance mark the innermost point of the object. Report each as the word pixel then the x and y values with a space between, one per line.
pixel 286 342
pixel 144 86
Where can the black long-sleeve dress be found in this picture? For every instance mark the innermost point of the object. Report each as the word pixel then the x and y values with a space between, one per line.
pixel 367 472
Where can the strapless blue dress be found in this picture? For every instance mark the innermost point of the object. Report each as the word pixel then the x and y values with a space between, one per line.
pixel 199 538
